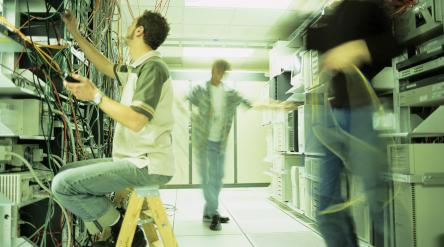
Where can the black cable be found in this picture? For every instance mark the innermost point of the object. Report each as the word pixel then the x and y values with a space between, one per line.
pixel 83 122
pixel 73 232
pixel 48 145
pixel 46 22
pixel 52 21
pixel 57 12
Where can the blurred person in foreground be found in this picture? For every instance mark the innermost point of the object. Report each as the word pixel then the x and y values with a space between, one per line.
pixel 354 33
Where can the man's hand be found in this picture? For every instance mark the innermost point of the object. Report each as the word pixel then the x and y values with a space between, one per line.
pixel 289 106
pixel 102 63
pixel 70 21
pixel 84 90
pixel 344 56
pixel 276 105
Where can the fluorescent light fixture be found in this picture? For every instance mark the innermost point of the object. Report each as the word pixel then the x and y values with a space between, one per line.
pixel 246 4
pixel 216 52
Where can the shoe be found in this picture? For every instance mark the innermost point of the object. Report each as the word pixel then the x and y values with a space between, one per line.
pixel 139 237
pixel 215 223
pixel 223 219
pixel 106 243
pixel 138 241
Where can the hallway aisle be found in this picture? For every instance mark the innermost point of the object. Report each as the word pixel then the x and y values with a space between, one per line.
pixel 255 221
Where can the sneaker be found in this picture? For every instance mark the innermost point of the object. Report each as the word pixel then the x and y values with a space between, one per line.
pixel 215 223
pixel 139 237
pixel 223 219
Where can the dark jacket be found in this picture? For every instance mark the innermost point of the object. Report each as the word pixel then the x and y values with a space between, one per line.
pixel 354 20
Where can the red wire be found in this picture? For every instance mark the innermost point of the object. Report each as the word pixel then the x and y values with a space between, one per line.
pixel 66 144
pixel 403 6
pixel 18 60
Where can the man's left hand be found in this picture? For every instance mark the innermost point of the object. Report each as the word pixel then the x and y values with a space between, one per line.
pixel 346 55
pixel 276 105
pixel 84 90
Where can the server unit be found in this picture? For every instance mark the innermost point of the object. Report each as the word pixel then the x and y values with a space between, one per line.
pixel 276 187
pixel 416 211
pixel 279 137
pixel 295 181
pixel 283 84
pixel 310 61
pixel 284 162
pixel 31 152
pixel 292 139
pixel 301 190
pixel 21 187
pixel 272 88
pixel 416 159
pixel 421 77
pixel 311 197
pixel 279 85
pixel 281 187
pixel 418 189
pixel 281 184
pixel 384 80
pixel 420 23
pixel 298 188
pixel 312 186
pixel 301 129
pixel 312 167
pixel 307 141
pixel 22 117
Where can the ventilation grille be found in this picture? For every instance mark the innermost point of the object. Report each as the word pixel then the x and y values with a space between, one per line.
pixel 21 186
pixel 414 232
pixel 399 158
pixel 10 187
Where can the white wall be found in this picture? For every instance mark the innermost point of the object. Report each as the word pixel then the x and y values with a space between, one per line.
pixel 251 137
pixel 181 132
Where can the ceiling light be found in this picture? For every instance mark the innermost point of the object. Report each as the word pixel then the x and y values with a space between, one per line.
pixel 209 52
pixel 246 4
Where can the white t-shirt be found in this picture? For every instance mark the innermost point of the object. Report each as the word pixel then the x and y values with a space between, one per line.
pixel 216 118
pixel 147 90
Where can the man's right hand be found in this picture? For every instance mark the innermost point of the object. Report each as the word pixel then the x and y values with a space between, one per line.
pixel 92 54
pixel 70 21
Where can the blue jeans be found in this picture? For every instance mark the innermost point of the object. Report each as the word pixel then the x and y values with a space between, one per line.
pixel 81 187
pixel 356 143
pixel 212 167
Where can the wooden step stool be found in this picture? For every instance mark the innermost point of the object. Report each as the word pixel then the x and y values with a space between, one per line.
pixel 145 208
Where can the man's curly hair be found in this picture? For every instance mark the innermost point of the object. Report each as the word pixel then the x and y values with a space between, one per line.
pixel 156 28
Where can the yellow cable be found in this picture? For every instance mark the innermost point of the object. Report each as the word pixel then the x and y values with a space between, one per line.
pixel 38 46
pixel 342 206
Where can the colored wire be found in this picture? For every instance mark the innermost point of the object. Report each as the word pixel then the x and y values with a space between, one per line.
pixel 29 166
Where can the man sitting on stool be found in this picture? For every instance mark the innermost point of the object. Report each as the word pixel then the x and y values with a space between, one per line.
pixel 142 150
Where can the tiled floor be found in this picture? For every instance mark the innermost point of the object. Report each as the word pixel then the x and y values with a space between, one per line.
pixel 255 221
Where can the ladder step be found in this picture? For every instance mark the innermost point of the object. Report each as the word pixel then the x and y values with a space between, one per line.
pixel 146 209
pixel 157 244
pixel 145 221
